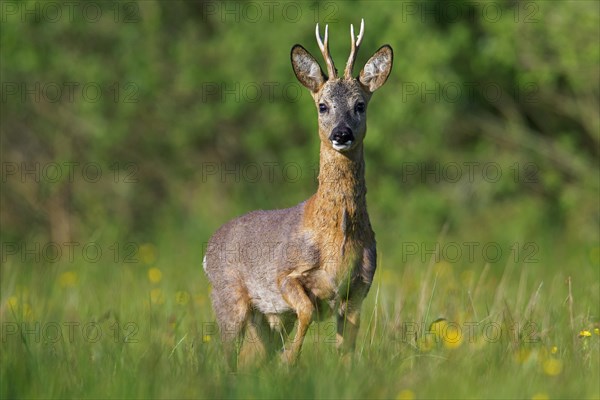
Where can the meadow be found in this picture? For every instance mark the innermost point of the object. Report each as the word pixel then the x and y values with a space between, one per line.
pixel 129 135
pixel 145 329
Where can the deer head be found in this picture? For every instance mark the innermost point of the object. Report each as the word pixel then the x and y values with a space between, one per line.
pixel 342 102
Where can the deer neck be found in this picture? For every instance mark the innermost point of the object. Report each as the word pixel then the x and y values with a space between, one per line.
pixel 341 181
pixel 337 212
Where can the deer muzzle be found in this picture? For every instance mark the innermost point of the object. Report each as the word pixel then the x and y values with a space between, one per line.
pixel 341 138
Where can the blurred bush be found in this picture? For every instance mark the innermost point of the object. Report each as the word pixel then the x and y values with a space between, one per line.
pixel 489 122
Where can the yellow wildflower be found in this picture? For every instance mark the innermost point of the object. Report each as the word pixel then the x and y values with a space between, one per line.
pixel 452 336
pixel 554 350
pixel 405 394
pixel 206 338
pixel 597 331
pixel 585 333
pixel 447 333
pixel 154 275
pixel 13 302
pixel 540 396
pixel 552 366
pixel 522 355
pixel 147 253
pixel 67 279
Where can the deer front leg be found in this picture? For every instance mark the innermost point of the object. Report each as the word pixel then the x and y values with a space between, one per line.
pixel 348 323
pixel 348 320
pixel 294 294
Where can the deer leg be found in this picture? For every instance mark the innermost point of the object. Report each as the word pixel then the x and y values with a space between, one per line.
pixel 265 336
pixel 278 328
pixel 348 323
pixel 348 320
pixel 294 294
pixel 232 311
pixel 255 348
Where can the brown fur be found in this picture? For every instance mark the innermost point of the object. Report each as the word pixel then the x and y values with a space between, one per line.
pixel 268 268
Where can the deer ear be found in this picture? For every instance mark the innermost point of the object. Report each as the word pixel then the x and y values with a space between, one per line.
pixel 377 69
pixel 307 69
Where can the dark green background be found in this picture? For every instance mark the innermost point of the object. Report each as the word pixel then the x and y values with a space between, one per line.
pixel 175 94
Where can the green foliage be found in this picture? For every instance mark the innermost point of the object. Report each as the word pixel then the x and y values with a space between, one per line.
pixel 487 133
pixel 187 84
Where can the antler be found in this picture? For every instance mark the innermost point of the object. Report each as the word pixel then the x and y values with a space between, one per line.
pixel 331 71
pixel 354 50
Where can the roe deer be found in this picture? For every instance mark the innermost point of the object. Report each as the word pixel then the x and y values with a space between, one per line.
pixel 269 268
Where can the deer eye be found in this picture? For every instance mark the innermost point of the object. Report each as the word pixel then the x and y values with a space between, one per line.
pixel 323 108
pixel 360 107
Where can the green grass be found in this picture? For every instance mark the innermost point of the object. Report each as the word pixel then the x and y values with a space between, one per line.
pixel 110 329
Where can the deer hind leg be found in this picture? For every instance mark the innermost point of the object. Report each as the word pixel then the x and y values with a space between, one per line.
pixel 294 294
pixel 265 336
pixel 252 350
pixel 232 308
pixel 279 328
pixel 261 340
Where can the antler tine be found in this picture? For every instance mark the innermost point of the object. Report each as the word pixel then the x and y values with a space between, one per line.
pixel 354 49
pixel 324 46
pixel 361 33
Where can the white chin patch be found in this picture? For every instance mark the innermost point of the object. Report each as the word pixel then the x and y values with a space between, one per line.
pixel 341 147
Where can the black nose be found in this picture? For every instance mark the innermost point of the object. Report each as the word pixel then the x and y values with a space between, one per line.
pixel 341 135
